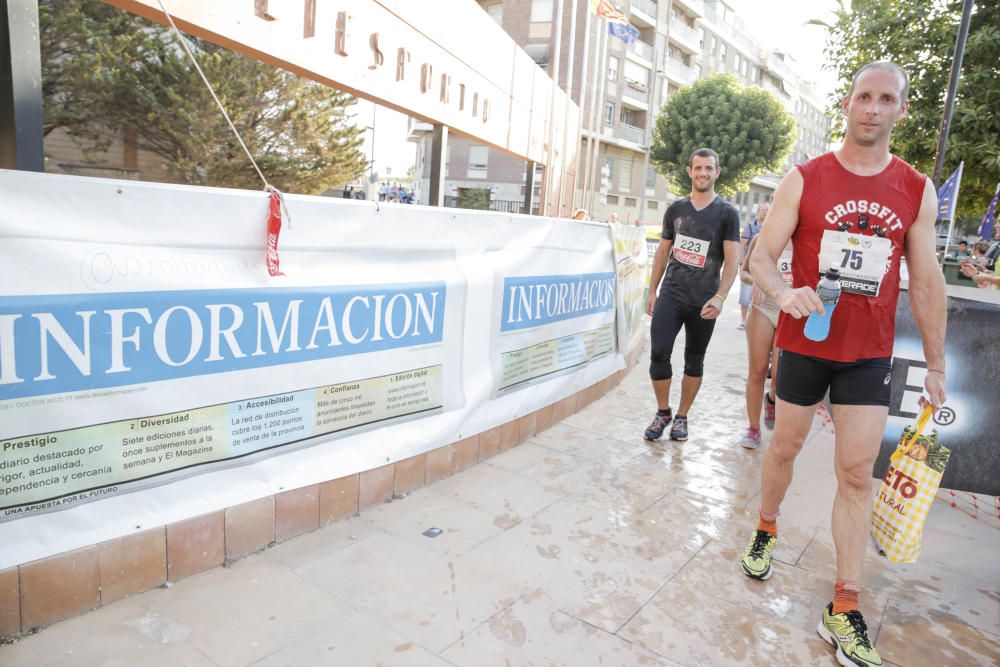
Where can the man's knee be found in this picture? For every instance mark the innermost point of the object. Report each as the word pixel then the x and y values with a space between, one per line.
pixel 694 364
pixel 856 477
pixel 785 448
pixel 659 367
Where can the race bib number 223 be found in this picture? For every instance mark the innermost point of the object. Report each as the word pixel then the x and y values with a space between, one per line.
pixel 691 251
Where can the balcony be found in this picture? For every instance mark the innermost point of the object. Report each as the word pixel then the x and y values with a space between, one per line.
pixel 694 8
pixel 635 95
pixel 643 51
pixel 780 93
pixel 643 13
pixel 680 73
pixel 636 135
pixel 417 129
pixel 685 36
pixel 780 68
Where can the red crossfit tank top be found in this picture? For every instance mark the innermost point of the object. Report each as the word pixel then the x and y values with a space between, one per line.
pixel 834 199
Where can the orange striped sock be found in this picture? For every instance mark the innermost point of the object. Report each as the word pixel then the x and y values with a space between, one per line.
pixel 768 523
pixel 845 596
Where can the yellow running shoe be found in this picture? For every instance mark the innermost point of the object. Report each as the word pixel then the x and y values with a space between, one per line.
pixel 849 635
pixel 756 561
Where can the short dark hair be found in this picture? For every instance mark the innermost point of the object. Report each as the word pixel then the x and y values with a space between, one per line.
pixel 704 152
pixel 888 66
pixel 963 242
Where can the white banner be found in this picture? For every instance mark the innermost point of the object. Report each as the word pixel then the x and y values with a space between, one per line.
pixel 151 370
pixel 556 306
pixel 631 260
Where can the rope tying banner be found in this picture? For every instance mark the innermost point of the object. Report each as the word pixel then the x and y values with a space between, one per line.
pixel 276 199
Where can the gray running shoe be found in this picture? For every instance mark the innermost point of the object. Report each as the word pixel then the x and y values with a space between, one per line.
pixel 679 431
pixel 768 413
pixel 655 430
pixel 752 439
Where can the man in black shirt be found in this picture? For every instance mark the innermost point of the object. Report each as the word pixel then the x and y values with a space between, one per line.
pixel 700 240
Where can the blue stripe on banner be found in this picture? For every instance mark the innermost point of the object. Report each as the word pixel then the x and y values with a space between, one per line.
pixel 532 301
pixel 68 342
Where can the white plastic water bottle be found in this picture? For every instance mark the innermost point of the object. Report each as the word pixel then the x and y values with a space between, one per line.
pixel 818 326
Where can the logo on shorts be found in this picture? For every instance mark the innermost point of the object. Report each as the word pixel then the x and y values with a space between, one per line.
pixel 888 377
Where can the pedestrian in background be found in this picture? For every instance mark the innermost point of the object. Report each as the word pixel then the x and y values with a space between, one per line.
pixel 750 231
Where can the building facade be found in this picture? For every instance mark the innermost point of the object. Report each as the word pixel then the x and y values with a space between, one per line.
pixel 679 42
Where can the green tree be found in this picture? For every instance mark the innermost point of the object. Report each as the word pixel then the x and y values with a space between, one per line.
pixel 920 37
pixel 104 69
pixel 748 127
pixel 476 198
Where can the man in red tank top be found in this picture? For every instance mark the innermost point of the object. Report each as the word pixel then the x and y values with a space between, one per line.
pixel 858 209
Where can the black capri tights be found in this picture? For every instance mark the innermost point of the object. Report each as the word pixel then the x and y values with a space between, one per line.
pixel 668 318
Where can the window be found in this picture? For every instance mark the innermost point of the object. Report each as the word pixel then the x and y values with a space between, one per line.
pixel 624 175
pixel 722 52
pixel 756 200
pixel 613 200
pixel 650 178
pixel 652 204
pixel 541 11
pixel 479 160
pixel 612 68
pixel 609 115
pixel 636 73
pixel 715 46
pixel 701 37
pixel 630 201
pixel 495 11
pixel 737 63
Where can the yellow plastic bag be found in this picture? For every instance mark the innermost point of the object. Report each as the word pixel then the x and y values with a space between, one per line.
pixel 904 497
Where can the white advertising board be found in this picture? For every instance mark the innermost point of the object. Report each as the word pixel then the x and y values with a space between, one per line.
pixel 151 370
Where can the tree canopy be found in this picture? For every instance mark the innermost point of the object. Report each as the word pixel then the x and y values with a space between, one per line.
pixel 920 37
pixel 104 69
pixel 748 127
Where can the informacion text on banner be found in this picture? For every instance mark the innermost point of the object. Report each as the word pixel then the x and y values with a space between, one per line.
pixel 46 471
pixel 555 356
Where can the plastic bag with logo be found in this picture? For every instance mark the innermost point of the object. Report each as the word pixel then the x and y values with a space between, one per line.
pixel 904 497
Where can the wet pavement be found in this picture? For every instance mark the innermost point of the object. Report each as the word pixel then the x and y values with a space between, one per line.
pixel 583 546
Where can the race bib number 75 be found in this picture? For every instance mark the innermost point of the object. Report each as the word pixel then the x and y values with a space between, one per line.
pixel 690 251
pixel 862 260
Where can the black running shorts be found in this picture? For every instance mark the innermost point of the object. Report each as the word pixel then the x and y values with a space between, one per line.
pixel 804 380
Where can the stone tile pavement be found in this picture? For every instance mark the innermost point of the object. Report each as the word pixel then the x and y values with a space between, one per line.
pixel 583 546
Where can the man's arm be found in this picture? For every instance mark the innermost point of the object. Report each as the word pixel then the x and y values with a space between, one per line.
pixel 745 276
pixel 773 237
pixel 660 258
pixel 928 299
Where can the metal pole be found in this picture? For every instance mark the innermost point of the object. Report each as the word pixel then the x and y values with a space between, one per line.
pixel 571 53
pixel 371 167
pixel 439 152
pixel 591 119
pixel 602 76
pixel 21 128
pixel 653 91
pixel 949 105
pixel 954 208
pixel 584 74
pixel 550 157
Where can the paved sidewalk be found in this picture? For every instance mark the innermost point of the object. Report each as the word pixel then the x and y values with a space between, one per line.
pixel 583 546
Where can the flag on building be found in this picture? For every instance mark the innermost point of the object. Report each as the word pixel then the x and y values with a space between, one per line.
pixel 626 32
pixel 986 226
pixel 606 10
pixel 948 195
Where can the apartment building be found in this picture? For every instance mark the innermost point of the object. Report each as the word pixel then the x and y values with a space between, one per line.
pixel 679 42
